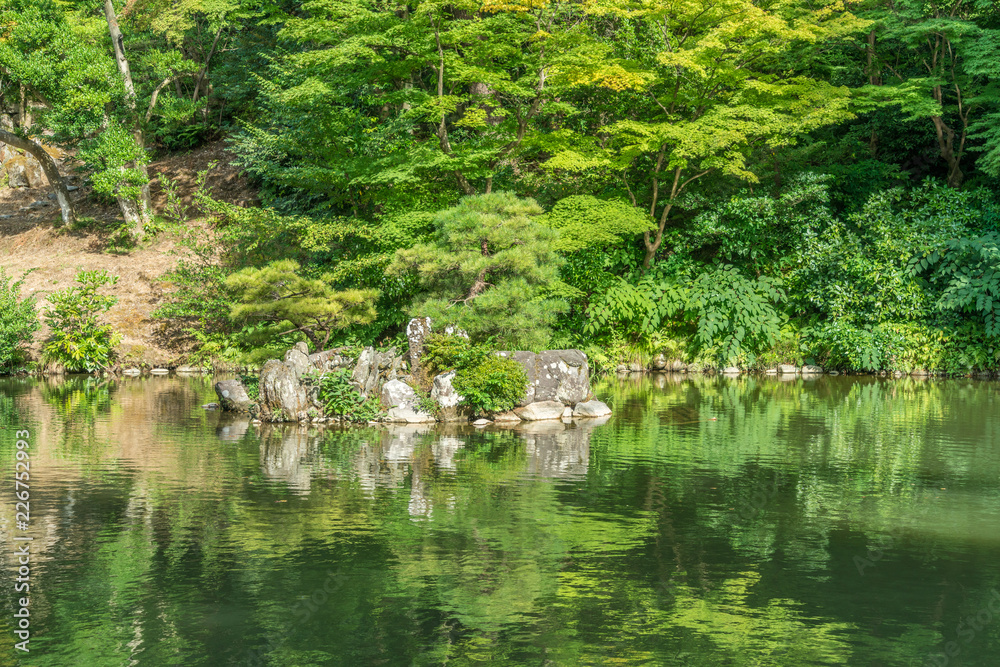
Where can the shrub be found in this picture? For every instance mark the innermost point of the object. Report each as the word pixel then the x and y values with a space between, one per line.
pixel 18 320
pixel 340 397
pixel 494 385
pixel 78 340
pixel 443 352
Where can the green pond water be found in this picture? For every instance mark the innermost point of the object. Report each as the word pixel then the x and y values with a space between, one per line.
pixel 836 521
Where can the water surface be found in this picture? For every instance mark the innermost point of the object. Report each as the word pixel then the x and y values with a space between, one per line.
pixel 710 521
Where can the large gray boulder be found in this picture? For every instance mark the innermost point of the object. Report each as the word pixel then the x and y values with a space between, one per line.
pixel 562 375
pixel 448 399
pixel 233 396
pixel 281 394
pixel 401 401
pixel 298 361
pixel 365 373
pixel 554 375
pixel 540 410
pixel 375 368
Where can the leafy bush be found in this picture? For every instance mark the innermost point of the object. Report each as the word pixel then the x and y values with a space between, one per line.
pixel 18 320
pixel 494 385
pixel 967 272
pixel 78 340
pixel 734 312
pixel 731 315
pixel 488 383
pixel 116 159
pixel 443 352
pixel 341 398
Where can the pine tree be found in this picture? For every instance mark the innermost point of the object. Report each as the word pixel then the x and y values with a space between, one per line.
pixel 491 270
pixel 278 293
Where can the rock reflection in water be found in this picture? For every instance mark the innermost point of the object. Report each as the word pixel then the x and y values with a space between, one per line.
pixel 418 455
pixel 231 427
pixel 559 450
pixel 289 453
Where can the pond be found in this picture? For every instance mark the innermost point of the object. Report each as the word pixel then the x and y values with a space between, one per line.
pixel 710 521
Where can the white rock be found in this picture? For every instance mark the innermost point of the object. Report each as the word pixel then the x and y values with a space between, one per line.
pixel 481 422
pixel 731 370
pixel 132 371
pixel 398 394
pixel 567 412
pixel 787 369
pixel 160 371
pixel 298 361
pixel 809 369
pixel 591 409
pixel 506 417
pixel 409 416
pixel 540 410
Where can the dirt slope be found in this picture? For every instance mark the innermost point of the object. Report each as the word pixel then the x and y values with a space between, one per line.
pixel 30 241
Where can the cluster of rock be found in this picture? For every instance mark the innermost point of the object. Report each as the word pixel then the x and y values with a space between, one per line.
pixel 558 386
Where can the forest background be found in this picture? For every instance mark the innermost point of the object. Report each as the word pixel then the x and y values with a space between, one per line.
pixel 720 182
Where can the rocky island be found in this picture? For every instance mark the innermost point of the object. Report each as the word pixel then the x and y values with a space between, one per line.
pixel 558 386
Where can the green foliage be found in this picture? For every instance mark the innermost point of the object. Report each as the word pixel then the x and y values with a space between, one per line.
pixel 725 311
pixel 495 384
pixel 78 340
pixel 18 320
pixel 341 398
pixel 251 382
pixel 487 382
pixel 115 158
pixel 735 313
pixel 758 230
pixel 585 222
pixel 967 273
pixel 279 293
pixel 444 352
pixel 490 270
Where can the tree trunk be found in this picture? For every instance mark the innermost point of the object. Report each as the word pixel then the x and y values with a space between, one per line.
pixel 946 145
pixel 24 110
pixel 50 169
pixel 118 42
pixel 134 218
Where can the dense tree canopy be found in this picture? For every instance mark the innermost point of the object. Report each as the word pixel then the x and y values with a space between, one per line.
pixel 743 181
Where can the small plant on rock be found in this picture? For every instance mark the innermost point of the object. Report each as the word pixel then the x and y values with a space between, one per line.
pixel 341 398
